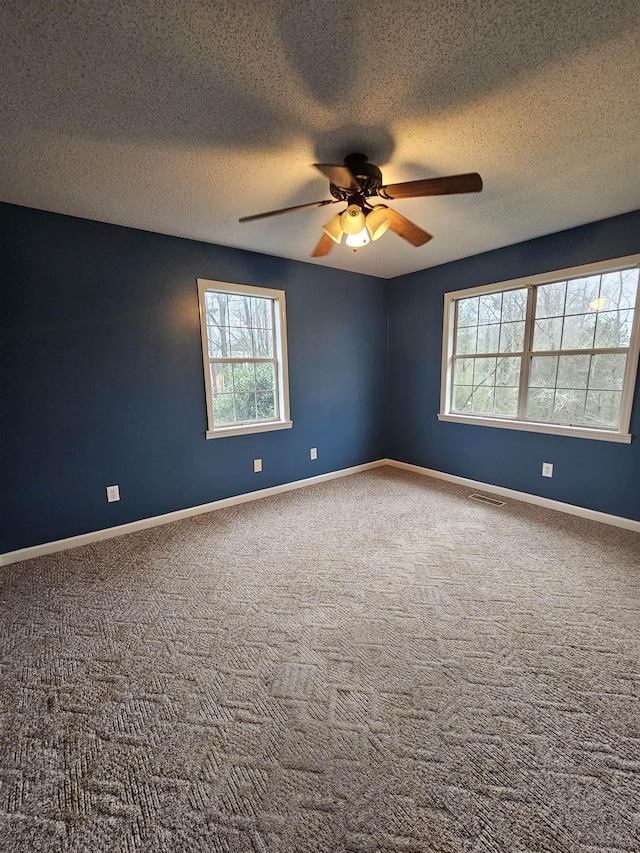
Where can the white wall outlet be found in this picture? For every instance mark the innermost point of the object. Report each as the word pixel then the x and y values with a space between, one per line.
pixel 257 466
pixel 547 469
pixel 313 453
pixel 113 493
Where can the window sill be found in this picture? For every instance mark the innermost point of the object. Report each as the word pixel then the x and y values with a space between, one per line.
pixel 248 429
pixel 549 429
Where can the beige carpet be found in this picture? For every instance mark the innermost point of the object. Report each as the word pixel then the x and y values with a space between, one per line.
pixel 377 663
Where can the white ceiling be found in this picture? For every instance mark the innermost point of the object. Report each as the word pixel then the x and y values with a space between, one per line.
pixel 180 116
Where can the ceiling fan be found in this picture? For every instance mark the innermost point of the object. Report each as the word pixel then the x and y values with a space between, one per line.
pixel 358 181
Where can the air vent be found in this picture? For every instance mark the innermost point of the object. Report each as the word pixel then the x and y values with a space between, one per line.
pixel 485 499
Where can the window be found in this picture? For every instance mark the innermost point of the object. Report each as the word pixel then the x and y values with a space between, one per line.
pixel 244 347
pixel 555 353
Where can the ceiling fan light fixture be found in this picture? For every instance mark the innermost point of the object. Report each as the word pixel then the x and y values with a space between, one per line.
pixel 355 182
pixel 378 220
pixel 357 241
pixel 352 220
pixel 333 229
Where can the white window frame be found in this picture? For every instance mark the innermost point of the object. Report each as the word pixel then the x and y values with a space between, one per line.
pixel 283 421
pixel 628 388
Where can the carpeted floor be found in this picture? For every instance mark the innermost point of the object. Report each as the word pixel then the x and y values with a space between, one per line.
pixel 376 663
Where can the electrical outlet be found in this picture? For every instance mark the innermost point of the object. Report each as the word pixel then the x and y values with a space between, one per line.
pixel 113 493
pixel 547 469
pixel 313 453
pixel 257 466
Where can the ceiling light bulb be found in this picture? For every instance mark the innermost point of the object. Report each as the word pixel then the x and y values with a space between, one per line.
pixel 333 229
pixel 352 220
pixel 597 304
pixel 378 220
pixel 357 241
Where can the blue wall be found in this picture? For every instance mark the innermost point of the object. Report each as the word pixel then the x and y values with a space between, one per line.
pixel 595 474
pixel 103 378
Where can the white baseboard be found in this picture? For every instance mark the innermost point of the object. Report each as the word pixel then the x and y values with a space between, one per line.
pixel 110 532
pixel 156 520
pixel 570 509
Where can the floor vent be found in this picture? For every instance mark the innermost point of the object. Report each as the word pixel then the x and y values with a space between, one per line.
pixel 487 500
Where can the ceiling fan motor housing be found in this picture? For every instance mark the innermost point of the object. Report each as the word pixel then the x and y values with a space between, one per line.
pixel 367 174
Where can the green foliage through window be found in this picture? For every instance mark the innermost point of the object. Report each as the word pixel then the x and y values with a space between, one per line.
pixel 242 345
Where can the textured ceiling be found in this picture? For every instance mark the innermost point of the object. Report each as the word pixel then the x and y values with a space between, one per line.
pixel 179 116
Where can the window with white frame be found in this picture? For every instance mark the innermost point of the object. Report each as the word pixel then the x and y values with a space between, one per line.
pixel 245 358
pixel 554 353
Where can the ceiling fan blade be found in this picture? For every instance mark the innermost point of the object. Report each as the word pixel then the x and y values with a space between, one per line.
pixel 340 176
pixel 408 230
pixel 288 210
pixel 468 183
pixel 324 246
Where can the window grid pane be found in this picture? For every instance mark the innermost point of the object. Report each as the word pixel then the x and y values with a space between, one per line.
pixel 487 385
pixel 490 323
pixel 244 391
